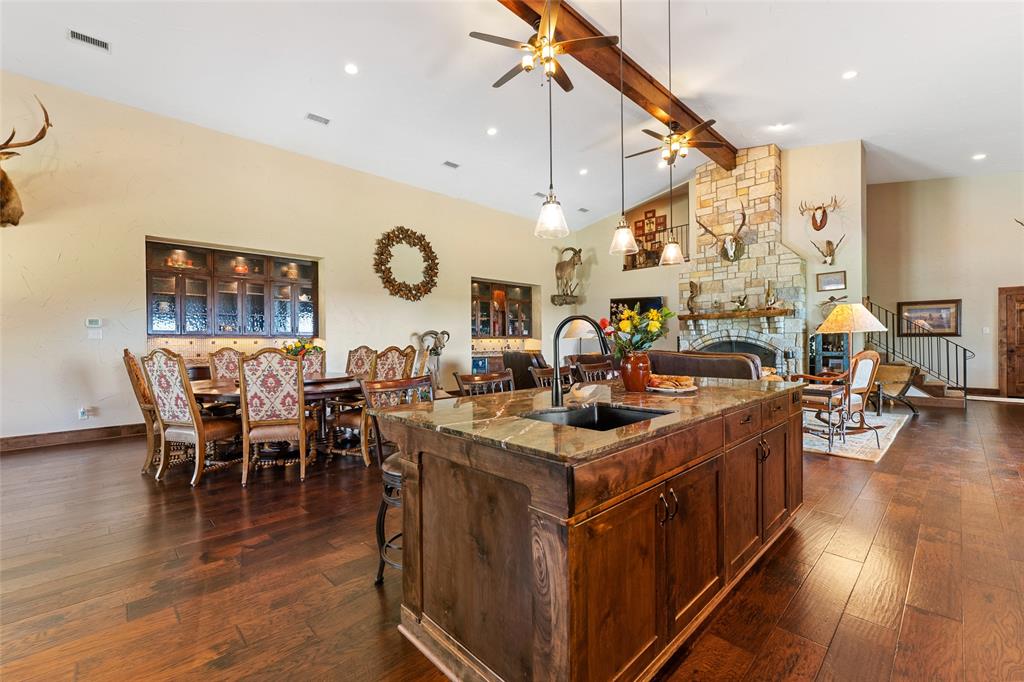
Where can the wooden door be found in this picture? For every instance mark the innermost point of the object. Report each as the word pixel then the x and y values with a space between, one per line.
pixel 1011 321
pixel 615 566
pixel 694 557
pixel 742 523
pixel 774 505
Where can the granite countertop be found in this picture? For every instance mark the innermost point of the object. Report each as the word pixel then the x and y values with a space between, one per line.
pixel 495 419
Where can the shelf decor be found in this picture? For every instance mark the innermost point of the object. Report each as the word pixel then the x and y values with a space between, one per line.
pixel 382 263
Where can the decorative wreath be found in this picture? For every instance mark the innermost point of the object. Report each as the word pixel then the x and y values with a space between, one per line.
pixel 382 263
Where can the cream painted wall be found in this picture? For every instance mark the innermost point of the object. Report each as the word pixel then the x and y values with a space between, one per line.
pixel 108 175
pixel 950 238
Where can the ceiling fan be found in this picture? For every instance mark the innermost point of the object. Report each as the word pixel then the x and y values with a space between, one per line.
pixel 675 144
pixel 542 48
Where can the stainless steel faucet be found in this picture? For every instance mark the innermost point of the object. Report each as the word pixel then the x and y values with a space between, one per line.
pixel 556 381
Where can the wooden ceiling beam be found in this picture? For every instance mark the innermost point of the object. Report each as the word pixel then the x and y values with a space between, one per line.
pixel 638 85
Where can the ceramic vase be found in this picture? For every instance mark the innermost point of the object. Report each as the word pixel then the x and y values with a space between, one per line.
pixel 636 371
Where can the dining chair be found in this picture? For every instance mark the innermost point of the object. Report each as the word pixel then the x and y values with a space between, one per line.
pixel 145 400
pixel 394 363
pixel 361 361
pixel 859 381
pixel 179 419
pixel 347 412
pixel 391 393
pixel 595 371
pixel 314 363
pixel 224 364
pixel 543 377
pixel 273 409
pixel 479 384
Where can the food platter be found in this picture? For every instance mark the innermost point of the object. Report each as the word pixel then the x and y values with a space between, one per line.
pixel 687 389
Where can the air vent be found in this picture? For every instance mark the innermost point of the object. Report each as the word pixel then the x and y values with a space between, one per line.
pixel 450 164
pixel 583 210
pixel 316 118
pixel 88 40
pixel 540 195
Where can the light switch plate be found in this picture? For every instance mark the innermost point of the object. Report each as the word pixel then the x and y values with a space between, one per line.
pixel 986 330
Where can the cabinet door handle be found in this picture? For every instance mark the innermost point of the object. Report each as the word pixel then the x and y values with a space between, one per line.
pixel 663 519
pixel 746 420
pixel 675 500
pixel 776 408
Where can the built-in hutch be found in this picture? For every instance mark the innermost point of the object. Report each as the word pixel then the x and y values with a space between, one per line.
pixel 197 291
pixel 501 310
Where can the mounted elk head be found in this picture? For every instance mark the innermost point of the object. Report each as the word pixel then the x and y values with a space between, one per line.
pixel 819 223
pixel 10 202
pixel 730 246
pixel 829 252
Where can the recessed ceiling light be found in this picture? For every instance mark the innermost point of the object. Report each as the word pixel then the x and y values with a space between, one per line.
pixel 778 126
pixel 492 131
pixel 979 157
pixel 847 75
pixel 583 171
pixel 351 69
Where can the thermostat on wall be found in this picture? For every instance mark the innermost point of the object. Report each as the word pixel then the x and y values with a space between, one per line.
pixel 93 322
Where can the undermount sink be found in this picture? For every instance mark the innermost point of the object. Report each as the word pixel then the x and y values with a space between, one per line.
pixel 596 417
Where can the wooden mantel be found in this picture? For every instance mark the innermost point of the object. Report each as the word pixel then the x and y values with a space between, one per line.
pixel 638 85
pixel 740 314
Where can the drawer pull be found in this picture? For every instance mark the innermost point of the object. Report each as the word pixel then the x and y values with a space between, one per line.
pixel 776 408
pixel 675 509
pixel 746 420
pixel 665 518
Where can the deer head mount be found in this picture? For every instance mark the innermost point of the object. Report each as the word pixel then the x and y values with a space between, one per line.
pixel 730 246
pixel 819 223
pixel 10 203
pixel 829 252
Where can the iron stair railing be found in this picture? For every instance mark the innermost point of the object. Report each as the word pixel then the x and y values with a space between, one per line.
pixel 936 356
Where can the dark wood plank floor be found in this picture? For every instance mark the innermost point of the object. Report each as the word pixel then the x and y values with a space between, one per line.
pixel 910 569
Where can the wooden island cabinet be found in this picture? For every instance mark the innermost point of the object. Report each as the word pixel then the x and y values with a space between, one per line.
pixel 548 552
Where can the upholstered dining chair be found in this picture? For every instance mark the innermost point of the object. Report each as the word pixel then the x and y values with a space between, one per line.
pixel 178 417
pixel 347 412
pixel 491 382
pixel 391 393
pixel 361 361
pixel 273 409
pixel 858 381
pixel 145 400
pixel 394 363
pixel 595 371
pixel 314 363
pixel 543 377
pixel 224 364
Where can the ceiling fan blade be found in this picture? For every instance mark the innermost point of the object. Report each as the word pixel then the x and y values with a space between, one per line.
pixel 509 75
pixel 498 40
pixel 699 128
pixel 549 18
pixel 561 77
pixel 646 151
pixel 657 136
pixel 705 144
pixel 580 44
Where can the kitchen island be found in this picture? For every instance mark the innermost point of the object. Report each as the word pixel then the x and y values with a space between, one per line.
pixel 538 550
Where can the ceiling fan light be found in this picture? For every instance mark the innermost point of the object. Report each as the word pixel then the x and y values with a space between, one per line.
pixel 672 254
pixel 665 153
pixel 549 67
pixel 547 52
pixel 551 222
pixel 528 62
pixel 623 241
pixel 683 151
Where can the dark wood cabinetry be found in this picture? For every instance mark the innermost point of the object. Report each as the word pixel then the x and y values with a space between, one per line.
pixel 742 518
pixel 200 292
pixel 501 310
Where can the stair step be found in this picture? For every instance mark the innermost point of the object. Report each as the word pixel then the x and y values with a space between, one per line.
pixel 936 401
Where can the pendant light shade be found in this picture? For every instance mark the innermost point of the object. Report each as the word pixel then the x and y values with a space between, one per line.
pixel 672 254
pixel 551 223
pixel 623 241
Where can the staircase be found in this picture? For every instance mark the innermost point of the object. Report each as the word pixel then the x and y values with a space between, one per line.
pixel 942 363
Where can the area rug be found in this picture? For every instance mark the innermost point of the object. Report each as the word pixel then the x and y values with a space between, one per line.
pixel 857 445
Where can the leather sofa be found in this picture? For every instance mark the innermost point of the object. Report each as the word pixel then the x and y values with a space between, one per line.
pixel 700 364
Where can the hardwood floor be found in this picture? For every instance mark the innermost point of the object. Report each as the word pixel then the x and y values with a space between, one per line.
pixel 909 569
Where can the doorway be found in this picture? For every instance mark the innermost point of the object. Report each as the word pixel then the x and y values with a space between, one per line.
pixel 1011 342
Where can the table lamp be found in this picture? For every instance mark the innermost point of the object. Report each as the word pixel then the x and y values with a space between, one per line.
pixel 849 319
pixel 578 329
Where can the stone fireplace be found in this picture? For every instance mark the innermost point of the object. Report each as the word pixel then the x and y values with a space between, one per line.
pixel 755 186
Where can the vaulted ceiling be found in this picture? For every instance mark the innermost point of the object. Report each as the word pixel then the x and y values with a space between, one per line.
pixel 937 83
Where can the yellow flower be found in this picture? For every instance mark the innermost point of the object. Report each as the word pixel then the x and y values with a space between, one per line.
pixel 309 345
pixel 626 325
pixel 654 326
pixel 653 315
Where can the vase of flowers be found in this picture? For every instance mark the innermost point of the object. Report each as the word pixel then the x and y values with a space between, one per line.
pixel 300 346
pixel 633 333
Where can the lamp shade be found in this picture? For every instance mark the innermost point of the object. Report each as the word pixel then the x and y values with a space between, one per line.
pixel 623 241
pixel 578 329
pixel 671 254
pixel 848 318
pixel 551 223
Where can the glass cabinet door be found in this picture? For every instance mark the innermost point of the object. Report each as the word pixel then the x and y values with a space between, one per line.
pixel 228 318
pixel 282 310
pixel 293 269
pixel 255 308
pixel 197 305
pixel 240 264
pixel 305 313
pixel 163 304
pixel 173 257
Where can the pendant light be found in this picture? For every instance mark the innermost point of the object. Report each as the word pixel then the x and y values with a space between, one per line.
pixel 551 222
pixel 671 254
pixel 623 241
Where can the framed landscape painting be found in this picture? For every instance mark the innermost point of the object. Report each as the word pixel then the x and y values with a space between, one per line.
pixel 832 281
pixel 929 318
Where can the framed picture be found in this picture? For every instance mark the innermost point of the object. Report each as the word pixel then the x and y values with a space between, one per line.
pixel 650 213
pixel 929 318
pixel 832 281
pixel 645 302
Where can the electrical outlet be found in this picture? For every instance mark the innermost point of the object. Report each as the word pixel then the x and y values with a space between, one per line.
pixel 83 413
pixel 986 330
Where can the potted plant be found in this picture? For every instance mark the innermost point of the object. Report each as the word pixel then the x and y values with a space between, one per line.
pixel 633 333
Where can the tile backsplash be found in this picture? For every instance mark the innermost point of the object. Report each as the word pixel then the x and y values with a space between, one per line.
pixel 196 349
